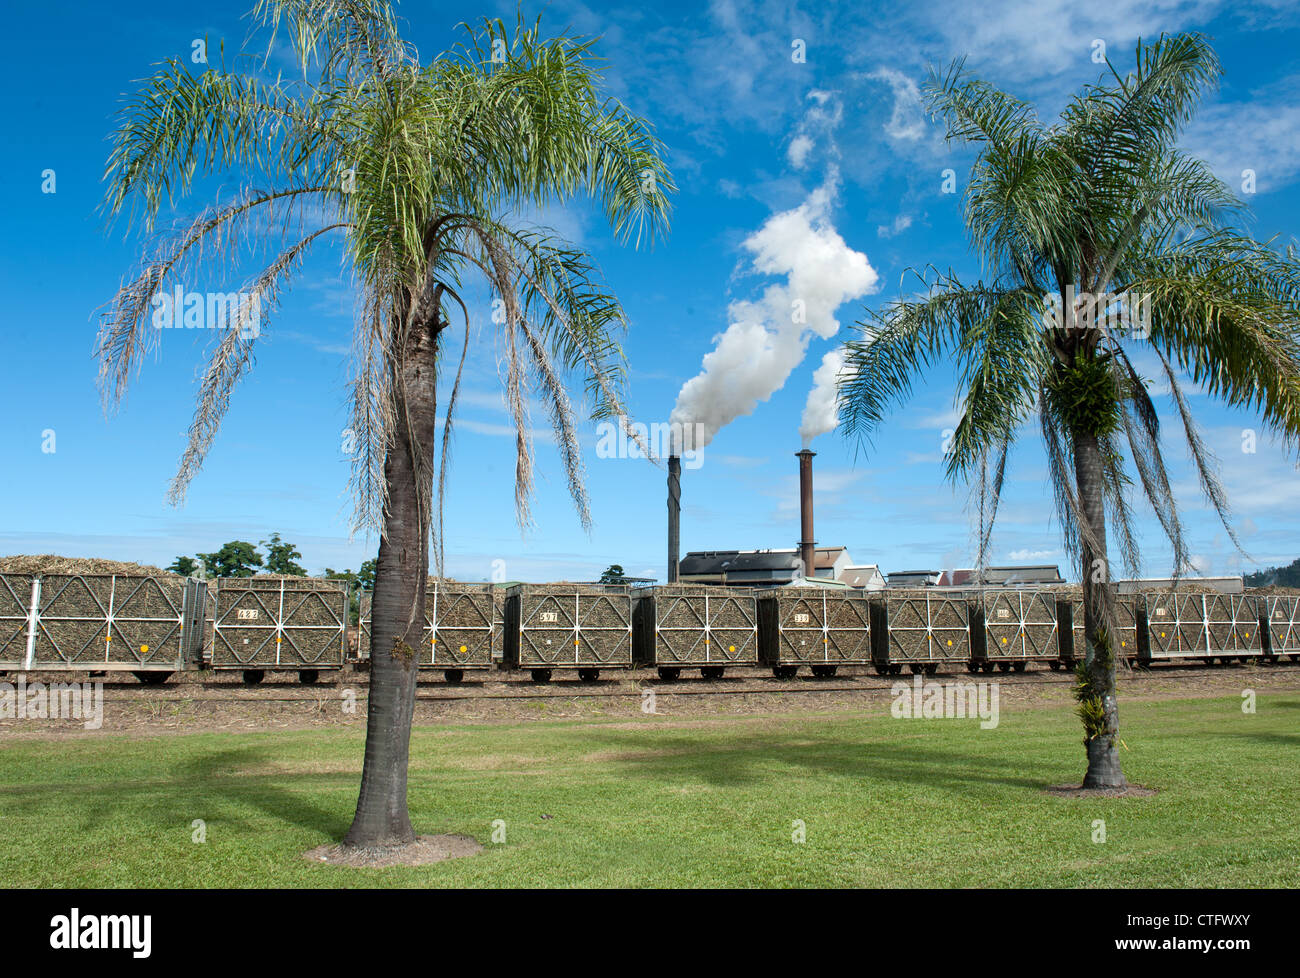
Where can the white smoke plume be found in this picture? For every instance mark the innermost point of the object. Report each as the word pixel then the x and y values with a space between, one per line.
pixel 768 337
pixel 821 413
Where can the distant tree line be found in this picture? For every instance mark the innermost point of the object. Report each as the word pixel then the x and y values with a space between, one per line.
pixel 239 558
pixel 1288 576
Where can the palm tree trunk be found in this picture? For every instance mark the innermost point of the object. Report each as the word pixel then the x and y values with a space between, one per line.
pixel 397 616
pixel 1099 616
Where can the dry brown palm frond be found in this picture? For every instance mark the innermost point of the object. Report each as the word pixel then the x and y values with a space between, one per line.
pixel 561 412
pixel 230 360
pixel 1206 463
pixel 595 368
pixel 124 335
pixel 449 417
pixel 986 494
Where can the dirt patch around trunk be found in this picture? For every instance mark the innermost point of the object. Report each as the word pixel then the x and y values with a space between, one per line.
pixel 424 850
pixel 1078 791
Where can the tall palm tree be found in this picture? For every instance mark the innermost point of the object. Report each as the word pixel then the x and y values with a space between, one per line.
pixel 1096 237
pixel 421 172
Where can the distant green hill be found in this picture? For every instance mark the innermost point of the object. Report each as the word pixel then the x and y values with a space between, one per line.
pixel 1288 576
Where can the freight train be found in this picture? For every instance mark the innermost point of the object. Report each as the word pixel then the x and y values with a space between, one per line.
pixel 154 626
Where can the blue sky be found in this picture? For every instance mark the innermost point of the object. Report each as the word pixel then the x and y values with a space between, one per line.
pixel 751 134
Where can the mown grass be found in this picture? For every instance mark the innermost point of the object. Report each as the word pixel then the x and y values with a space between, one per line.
pixel 681 803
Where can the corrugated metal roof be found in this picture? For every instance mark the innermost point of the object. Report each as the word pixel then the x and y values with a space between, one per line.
pixel 732 561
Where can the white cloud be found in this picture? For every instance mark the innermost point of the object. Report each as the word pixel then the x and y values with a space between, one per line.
pixel 907 120
pixel 501 430
pixel 1262 135
pixel 798 151
pixel 819 122
pixel 1043 38
pixel 1031 554
pixel 900 224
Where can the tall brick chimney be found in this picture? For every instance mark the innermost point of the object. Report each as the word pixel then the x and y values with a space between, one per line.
pixel 674 515
pixel 807 545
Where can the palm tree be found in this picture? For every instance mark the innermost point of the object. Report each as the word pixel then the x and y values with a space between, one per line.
pixel 420 171
pixel 1096 237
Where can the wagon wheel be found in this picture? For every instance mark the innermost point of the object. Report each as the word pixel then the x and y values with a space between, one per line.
pixel 152 678
pixel 988 666
pixel 541 675
pixel 972 666
pixel 785 672
pixel 1020 666
pixel 1208 660
pixel 712 672
pixel 1004 666
pixel 253 676
pixel 824 672
pixel 453 675
pixel 1054 665
pixel 588 675
pixel 308 677
pixel 931 668
pixel 669 673
pixel 896 668
pixel 881 670
pixel 917 668
pixel 1068 664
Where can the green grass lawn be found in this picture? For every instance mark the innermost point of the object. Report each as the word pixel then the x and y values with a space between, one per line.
pixel 681 803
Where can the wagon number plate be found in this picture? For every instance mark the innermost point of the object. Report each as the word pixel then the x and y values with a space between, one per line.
pixel 246 614
pixel 1004 612
pixel 800 618
pixel 550 616
pixel 1162 612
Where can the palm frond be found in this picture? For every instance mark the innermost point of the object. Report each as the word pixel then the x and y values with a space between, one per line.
pixel 231 359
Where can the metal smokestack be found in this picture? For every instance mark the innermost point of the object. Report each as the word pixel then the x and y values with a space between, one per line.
pixel 674 515
pixel 807 546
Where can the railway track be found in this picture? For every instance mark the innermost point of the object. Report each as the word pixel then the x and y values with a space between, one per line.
pixel 634 688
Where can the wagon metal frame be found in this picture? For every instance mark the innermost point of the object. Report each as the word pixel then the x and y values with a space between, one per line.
pixel 1280 623
pixel 544 622
pixel 1191 625
pixel 1022 628
pixel 838 626
pixel 96 622
pixel 464 646
pixel 903 620
pixel 1130 610
pixel 685 626
pixel 19 595
pixel 239 624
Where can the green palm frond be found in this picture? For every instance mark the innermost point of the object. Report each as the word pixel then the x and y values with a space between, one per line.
pixel 1101 201
pixel 424 171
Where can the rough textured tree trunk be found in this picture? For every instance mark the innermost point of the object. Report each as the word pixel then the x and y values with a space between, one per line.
pixel 1099 615
pixel 400 574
